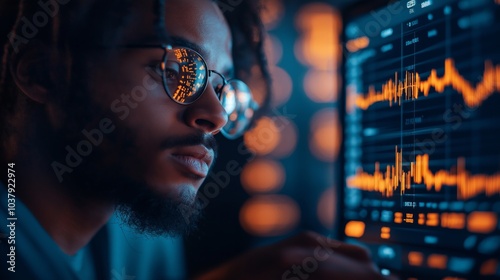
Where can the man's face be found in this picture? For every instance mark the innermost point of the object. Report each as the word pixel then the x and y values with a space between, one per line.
pixel 161 151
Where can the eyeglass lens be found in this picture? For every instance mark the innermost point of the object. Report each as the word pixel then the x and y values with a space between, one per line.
pixel 185 78
pixel 184 75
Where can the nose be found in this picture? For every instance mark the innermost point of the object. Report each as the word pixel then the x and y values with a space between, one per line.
pixel 206 113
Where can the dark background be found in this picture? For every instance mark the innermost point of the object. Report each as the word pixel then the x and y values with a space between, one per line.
pixel 306 137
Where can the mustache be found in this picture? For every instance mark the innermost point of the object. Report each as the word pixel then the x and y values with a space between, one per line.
pixel 207 140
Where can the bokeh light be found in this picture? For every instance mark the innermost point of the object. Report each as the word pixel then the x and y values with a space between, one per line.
pixel 273 49
pixel 281 86
pixel 319 45
pixel 262 175
pixel 269 215
pixel 271 12
pixel 321 85
pixel 257 84
pixel 355 45
pixel 288 139
pixel 325 137
pixel 326 209
pixel 263 137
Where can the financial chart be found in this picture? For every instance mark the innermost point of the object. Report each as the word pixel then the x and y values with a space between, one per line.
pixel 422 136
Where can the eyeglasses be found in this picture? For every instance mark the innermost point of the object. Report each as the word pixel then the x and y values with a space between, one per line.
pixel 185 77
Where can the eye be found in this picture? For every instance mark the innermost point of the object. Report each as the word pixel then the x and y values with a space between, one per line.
pixel 172 69
pixel 155 71
pixel 170 74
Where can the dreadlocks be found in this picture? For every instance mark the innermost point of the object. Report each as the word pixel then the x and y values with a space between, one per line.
pixel 248 50
pixel 68 26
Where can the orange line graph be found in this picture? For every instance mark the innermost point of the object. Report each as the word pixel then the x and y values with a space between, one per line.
pixel 394 177
pixel 412 86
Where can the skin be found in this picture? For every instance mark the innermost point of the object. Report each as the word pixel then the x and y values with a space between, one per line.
pixel 152 121
pixel 166 119
pixel 72 221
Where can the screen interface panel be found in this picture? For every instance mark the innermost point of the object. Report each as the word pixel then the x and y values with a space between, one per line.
pixel 422 136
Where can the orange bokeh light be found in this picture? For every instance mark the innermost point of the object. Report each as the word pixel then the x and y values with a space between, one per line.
pixel 357 44
pixel 318 46
pixel 273 49
pixel 288 140
pixel 415 258
pixel 489 267
pixel 326 208
pixel 385 232
pixel 453 220
pixel 437 261
pixel 263 175
pixel 257 84
pixel 354 229
pixel 269 215
pixel 281 86
pixel 321 85
pixel 326 135
pixel 271 12
pixel 264 137
pixel 482 222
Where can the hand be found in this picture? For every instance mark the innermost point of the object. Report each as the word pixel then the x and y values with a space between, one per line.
pixel 305 256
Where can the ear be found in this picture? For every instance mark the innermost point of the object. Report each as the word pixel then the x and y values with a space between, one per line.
pixel 31 72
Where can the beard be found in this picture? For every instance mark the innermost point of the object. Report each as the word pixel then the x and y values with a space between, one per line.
pixel 149 213
pixel 105 175
pixel 112 171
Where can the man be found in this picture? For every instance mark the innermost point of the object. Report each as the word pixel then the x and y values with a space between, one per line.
pixel 112 106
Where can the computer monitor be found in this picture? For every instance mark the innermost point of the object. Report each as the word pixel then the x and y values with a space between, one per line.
pixel 420 162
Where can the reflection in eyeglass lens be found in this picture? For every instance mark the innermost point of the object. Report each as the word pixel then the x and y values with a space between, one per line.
pixel 171 75
pixel 240 107
pixel 185 76
pixel 191 77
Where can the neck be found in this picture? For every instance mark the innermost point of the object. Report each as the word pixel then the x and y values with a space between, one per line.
pixel 70 221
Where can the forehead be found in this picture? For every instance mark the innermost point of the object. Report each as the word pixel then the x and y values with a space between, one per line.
pixel 197 21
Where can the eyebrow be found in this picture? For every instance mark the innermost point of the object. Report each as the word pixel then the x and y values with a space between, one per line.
pixel 176 41
pixel 151 39
pixel 228 72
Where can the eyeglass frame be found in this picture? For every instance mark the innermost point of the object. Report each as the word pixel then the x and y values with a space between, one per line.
pixel 167 48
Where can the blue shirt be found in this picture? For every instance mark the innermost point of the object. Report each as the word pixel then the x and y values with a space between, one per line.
pixel 116 252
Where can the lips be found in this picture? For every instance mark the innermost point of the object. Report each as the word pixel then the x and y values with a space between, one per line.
pixel 194 160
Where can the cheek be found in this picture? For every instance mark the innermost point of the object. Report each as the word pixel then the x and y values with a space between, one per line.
pixel 137 103
pixel 145 116
pixel 140 109
pixel 150 119
pixel 150 123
